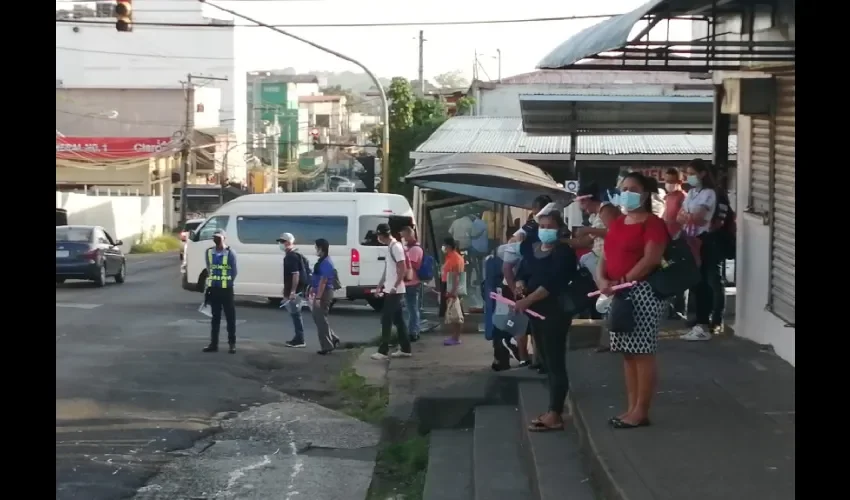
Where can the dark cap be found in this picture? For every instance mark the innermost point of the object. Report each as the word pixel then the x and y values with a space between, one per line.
pixel 383 229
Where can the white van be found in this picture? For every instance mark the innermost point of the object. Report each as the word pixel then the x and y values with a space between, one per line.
pixel 254 222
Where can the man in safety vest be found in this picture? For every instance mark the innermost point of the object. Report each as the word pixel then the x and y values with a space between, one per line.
pixel 221 273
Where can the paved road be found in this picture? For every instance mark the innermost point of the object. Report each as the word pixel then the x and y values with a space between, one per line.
pixel 132 384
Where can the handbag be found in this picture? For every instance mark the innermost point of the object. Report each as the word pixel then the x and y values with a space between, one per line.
pixel 574 299
pixel 511 322
pixel 621 312
pixel 678 271
pixel 461 286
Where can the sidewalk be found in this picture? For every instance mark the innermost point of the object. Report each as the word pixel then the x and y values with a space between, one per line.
pixel 723 424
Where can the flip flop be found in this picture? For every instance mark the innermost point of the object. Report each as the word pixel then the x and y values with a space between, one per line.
pixel 619 424
pixel 537 420
pixel 541 427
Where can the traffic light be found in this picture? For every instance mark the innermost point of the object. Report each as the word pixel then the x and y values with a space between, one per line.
pixel 124 15
pixel 367 176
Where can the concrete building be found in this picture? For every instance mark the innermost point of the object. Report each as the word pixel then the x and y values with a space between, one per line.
pixel 297 85
pixel 90 56
pixel 326 113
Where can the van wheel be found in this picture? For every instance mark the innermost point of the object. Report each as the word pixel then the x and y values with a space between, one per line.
pixel 202 279
pixel 376 304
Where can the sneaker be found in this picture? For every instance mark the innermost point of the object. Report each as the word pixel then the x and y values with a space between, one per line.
pixel 295 343
pixel 379 357
pixel 210 348
pixel 696 333
pixel 401 354
pixel 451 341
pixel 512 347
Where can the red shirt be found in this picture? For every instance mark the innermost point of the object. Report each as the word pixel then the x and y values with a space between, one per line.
pixel 672 206
pixel 625 243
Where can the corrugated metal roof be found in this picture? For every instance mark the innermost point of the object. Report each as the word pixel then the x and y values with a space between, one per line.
pixel 479 134
pixel 594 77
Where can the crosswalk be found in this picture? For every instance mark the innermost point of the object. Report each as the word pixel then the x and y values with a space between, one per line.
pixel 73 305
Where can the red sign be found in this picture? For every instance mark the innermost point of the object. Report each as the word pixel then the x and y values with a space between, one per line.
pixel 112 148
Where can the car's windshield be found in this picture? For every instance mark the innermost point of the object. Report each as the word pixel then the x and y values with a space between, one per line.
pixel 191 226
pixel 73 234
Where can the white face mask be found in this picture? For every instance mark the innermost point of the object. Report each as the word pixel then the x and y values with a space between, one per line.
pixel 443 248
pixel 671 187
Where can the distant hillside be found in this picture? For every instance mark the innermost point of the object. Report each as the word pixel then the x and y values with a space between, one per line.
pixel 356 82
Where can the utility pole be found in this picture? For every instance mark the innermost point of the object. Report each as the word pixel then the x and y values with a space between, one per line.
pixel 275 134
pixel 188 127
pixel 421 63
pixel 385 142
pixel 499 56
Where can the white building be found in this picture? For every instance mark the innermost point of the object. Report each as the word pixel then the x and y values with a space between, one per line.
pixel 326 112
pixel 90 56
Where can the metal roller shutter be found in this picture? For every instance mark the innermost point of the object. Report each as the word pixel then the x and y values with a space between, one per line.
pixel 782 232
pixel 760 166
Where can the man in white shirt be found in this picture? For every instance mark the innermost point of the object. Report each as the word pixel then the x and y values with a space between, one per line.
pixel 393 290
pixel 461 231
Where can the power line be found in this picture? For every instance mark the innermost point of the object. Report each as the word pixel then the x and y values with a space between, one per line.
pixel 161 56
pixel 348 25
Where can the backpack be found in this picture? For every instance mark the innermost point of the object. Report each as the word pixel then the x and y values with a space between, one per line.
pixel 426 267
pixel 306 272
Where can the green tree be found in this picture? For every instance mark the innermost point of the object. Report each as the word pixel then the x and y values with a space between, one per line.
pixel 452 80
pixel 412 121
pixel 465 105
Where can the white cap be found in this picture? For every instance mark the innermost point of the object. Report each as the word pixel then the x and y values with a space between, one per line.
pixel 286 237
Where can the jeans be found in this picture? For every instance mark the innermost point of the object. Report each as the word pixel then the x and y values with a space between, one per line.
pixel 221 299
pixel 551 334
pixel 297 321
pixel 710 294
pixel 391 314
pixel 413 308
pixel 320 316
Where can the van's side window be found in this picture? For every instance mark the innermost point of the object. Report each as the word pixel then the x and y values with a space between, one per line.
pixel 266 229
pixel 213 225
pixel 368 223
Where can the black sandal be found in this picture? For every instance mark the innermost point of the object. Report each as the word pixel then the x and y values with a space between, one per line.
pixel 619 424
pixel 538 426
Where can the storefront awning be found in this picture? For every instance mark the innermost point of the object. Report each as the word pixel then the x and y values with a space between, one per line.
pixel 612 44
pixel 606 36
pixel 564 114
pixel 487 177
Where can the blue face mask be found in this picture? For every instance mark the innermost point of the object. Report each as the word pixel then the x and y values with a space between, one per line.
pixel 629 201
pixel 547 235
pixel 693 181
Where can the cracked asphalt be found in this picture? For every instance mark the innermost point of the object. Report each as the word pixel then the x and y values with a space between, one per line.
pixel 132 385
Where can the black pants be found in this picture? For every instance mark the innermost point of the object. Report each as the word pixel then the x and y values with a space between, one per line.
pixel 552 334
pixel 441 312
pixel 222 299
pixel 391 315
pixel 710 294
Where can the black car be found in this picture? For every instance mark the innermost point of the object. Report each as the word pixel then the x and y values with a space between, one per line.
pixel 88 253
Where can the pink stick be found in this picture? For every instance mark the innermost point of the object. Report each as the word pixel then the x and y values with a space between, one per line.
pixel 504 300
pixel 615 288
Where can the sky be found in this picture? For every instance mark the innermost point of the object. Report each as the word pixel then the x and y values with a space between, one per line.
pixel 393 51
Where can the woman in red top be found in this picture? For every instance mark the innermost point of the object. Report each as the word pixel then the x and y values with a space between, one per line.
pixel 633 249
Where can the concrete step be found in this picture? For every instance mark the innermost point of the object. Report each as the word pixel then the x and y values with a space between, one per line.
pixel 449 475
pixel 554 460
pixel 498 468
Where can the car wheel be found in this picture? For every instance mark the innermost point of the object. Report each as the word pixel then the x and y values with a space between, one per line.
pixel 100 279
pixel 59 281
pixel 121 277
pixel 275 301
pixel 202 280
pixel 375 303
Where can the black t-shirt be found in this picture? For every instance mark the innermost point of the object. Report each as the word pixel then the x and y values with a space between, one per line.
pixel 291 265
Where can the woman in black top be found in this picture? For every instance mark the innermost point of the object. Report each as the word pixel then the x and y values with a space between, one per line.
pixel 547 266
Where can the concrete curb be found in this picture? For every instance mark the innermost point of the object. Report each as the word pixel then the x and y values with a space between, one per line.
pixel 600 472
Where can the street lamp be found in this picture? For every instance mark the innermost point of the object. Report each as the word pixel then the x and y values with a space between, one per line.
pixel 384 103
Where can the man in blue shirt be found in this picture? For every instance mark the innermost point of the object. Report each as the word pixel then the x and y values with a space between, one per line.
pixel 221 273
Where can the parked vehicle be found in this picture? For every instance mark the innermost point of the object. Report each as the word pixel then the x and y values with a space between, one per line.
pixel 254 222
pixel 88 253
pixel 188 227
